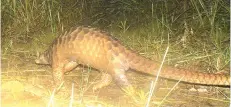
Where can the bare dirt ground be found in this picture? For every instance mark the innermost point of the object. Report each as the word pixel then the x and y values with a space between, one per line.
pixel 25 84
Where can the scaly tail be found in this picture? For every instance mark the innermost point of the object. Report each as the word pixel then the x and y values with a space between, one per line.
pixel 148 66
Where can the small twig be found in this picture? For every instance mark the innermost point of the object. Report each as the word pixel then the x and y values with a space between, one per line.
pixel 170 91
pixel 195 58
pixel 34 70
pixel 51 101
pixel 153 85
pixel 72 95
pixel 20 51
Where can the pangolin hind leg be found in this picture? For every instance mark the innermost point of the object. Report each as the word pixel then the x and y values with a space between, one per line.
pixel 119 67
pixel 105 81
pixel 120 78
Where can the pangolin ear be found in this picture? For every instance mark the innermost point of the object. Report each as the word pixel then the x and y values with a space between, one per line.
pixel 37 54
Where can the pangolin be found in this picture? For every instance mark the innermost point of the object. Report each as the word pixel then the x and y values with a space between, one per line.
pixel 98 49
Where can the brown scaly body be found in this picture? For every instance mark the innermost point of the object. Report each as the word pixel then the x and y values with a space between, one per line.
pixel 89 46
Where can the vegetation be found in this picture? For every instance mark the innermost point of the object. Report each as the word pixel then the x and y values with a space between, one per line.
pixel 196 31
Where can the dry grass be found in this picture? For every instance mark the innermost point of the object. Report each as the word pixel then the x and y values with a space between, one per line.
pixel 197 33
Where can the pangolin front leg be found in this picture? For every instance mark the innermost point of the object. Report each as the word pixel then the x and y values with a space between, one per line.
pixel 70 66
pixel 60 68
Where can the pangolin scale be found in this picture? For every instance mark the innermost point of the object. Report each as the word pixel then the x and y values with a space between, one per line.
pixel 98 49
